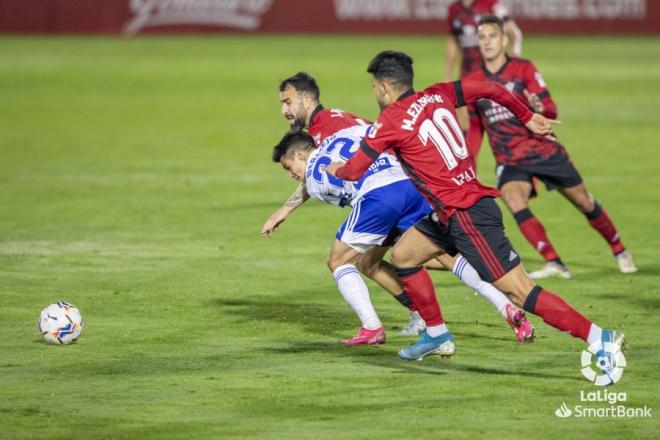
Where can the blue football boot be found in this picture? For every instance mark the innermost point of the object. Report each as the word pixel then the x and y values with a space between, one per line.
pixel 442 345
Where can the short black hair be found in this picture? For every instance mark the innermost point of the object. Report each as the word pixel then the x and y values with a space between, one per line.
pixel 292 141
pixel 492 19
pixel 393 66
pixel 302 82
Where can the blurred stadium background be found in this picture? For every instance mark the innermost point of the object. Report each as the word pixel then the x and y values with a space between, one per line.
pixel 135 177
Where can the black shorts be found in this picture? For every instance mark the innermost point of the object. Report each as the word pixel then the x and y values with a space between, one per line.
pixel 556 172
pixel 478 234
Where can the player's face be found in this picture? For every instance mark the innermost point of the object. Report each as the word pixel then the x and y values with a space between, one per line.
pixel 492 41
pixel 293 108
pixel 295 164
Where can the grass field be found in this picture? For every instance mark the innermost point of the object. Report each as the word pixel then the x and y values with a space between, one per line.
pixel 134 180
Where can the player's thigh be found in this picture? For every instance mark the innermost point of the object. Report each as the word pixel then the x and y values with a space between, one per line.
pixel 414 249
pixel 516 284
pixel 516 194
pixel 478 233
pixel 340 254
pixel 371 223
pixel 442 262
pixel 579 197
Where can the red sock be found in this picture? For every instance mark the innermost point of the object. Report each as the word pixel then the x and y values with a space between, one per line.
pixel 600 221
pixel 535 234
pixel 419 287
pixel 557 313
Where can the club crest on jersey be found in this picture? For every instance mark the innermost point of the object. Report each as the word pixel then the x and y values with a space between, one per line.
pixel 510 86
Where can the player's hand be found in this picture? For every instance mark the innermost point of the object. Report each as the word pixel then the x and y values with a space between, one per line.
pixel 272 224
pixel 539 124
pixel 333 167
pixel 534 101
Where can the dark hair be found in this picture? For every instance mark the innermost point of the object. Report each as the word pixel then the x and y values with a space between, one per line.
pixel 292 141
pixel 302 82
pixel 492 19
pixel 393 66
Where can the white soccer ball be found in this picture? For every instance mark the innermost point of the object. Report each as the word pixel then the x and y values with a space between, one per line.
pixel 60 323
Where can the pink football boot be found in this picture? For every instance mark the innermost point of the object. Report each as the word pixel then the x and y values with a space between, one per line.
pixel 365 336
pixel 521 326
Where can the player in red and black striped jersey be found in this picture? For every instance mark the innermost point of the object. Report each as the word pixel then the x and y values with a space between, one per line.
pixel 522 156
pixel 421 129
pixel 462 18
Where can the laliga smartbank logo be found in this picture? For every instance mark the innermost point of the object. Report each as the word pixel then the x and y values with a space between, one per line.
pixel 603 364
pixel 610 363
pixel 603 404
pixel 237 14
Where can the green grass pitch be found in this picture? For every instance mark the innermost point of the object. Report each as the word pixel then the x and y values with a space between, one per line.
pixel 135 176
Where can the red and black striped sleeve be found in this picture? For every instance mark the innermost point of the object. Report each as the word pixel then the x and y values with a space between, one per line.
pixel 468 92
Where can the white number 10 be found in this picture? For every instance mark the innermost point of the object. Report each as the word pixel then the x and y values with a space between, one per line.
pixel 446 135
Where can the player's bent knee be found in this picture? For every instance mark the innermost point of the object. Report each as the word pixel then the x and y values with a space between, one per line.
pixel 516 284
pixel 515 203
pixel 398 258
pixel 367 268
pixel 586 205
pixel 334 262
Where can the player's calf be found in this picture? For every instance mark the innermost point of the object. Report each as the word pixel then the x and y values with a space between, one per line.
pixel 601 222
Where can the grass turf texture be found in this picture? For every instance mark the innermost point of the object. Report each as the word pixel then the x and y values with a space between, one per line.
pixel 136 176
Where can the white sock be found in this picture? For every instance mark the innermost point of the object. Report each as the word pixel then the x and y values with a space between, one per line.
pixel 466 273
pixel 356 294
pixel 436 330
pixel 595 333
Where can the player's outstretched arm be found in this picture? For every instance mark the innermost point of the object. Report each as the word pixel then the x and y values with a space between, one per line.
pixel 535 122
pixel 298 197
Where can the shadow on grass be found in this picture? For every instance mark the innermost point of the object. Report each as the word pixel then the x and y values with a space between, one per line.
pixel 649 304
pixel 387 358
pixel 329 320
pixel 324 320
pixel 321 319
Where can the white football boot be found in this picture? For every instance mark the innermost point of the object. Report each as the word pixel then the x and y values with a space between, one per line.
pixel 551 269
pixel 626 262
pixel 415 325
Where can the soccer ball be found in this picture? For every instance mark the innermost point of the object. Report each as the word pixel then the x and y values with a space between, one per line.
pixel 60 323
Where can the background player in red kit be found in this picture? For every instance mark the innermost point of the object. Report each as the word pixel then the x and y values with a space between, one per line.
pixel 462 17
pixel 522 155
pixel 421 129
